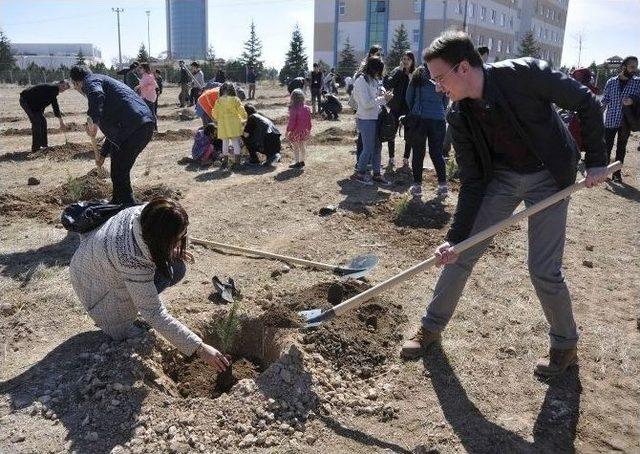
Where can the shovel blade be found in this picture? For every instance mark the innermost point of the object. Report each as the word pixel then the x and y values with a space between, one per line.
pixel 358 267
pixel 315 317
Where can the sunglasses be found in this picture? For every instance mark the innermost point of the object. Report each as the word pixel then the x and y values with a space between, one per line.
pixel 438 80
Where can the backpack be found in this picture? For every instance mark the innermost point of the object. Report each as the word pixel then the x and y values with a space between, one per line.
pixel 84 216
pixel 387 126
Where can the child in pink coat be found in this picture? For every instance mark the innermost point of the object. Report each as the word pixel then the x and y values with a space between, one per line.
pixel 299 127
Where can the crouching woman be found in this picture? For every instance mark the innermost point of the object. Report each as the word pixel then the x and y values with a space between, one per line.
pixel 121 267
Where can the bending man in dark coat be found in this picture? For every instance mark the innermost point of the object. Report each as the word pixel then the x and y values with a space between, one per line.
pixel 33 101
pixel 261 136
pixel 125 120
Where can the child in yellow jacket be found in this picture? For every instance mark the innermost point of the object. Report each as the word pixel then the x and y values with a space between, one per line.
pixel 229 114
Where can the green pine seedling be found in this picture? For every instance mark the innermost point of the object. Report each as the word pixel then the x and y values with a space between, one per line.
pixel 227 328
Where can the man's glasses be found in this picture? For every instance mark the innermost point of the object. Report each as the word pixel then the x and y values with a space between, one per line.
pixel 438 80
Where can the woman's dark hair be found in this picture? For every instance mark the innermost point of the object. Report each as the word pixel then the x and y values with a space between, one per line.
pixel 373 50
pixel 413 61
pixel 374 67
pixel 420 76
pixel 211 130
pixel 483 50
pixel 227 88
pixel 453 47
pixel 79 72
pixel 145 66
pixel 250 109
pixel 628 59
pixel 195 64
pixel 164 224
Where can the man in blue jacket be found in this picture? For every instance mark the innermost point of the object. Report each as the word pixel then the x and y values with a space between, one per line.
pixel 124 119
pixel 511 146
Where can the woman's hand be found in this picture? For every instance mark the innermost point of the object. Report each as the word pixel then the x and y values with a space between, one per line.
pixel 188 257
pixel 213 357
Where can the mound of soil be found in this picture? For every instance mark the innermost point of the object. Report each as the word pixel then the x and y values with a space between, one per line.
pixel 174 136
pixel 333 135
pixel 358 341
pixel 71 126
pixel 57 153
pixel 194 378
pixel 46 204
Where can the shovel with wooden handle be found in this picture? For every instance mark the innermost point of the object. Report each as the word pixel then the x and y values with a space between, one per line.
pixel 357 267
pixel 315 317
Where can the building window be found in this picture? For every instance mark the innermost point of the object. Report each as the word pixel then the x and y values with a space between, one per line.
pixel 416 36
pixel 499 46
pixel 472 9
pixel 341 7
pixel 483 12
pixel 553 14
pixel 540 33
pixel 508 50
pixel 490 43
pixel 417 6
pixel 459 7
pixel 377 22
pixel 503 19
pixel 548 12
pixel 480 40
pixel 493 16
pixel 546 33
pixel 511 22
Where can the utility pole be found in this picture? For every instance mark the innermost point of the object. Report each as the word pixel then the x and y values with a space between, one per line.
pixel 464 20
pixel 444 15
pixel 118 11
pixel 579 48
pixel 148 35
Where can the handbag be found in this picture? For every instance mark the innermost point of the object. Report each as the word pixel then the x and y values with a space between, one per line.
pixel 387 127
pixel 84 216
pixel 411 124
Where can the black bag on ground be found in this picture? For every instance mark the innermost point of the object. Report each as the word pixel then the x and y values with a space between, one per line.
pixel 84 216
pixel 387 127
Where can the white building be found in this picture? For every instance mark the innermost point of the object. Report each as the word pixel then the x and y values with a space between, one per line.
pixel 54 55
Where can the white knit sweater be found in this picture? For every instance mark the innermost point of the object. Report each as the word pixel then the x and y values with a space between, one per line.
pixel 112 273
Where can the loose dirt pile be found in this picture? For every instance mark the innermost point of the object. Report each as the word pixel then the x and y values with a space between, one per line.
pixel 333 135
pixel 174 136
pixel 70 127
pixel 46 204
pixel 58 153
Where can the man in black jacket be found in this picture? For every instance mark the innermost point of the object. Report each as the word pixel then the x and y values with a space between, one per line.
pixel 511 146
pixel 33 101
pixel 261 136
pixel 125 120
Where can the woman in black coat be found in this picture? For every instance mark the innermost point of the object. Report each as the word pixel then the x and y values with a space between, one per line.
pixel 397 81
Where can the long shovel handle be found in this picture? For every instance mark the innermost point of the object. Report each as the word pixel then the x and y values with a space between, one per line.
pixel 284 258
pixel 94 143
pixel 460 247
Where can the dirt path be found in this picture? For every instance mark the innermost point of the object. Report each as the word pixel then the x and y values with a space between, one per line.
pixel 64 386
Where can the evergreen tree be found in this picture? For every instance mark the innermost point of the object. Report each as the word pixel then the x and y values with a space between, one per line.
pixel 529 47
pixel 251 56
pixel 80 58
pixel 143 55
pixel 399 46
pixel 296 62
pixel 7 60
pixel 347 64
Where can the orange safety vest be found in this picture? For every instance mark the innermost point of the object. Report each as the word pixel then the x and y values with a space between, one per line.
pixel 208 99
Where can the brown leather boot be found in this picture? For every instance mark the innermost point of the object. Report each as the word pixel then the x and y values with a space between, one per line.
pixel 556 362
pixel 415 347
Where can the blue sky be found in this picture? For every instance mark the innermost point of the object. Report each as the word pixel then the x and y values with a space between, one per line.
pixel 608 26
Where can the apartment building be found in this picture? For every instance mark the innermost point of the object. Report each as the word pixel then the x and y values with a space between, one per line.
pixel 497 24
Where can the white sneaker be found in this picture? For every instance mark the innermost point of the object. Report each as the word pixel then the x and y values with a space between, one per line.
pixel 443 190
pixel 416 190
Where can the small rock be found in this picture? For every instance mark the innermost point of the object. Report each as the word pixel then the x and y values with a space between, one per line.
pixel 589 247
pixel 44 399
pixel 510 351
pixel 372 394
pixel 587 263
pixel 18 438
pixel 177 447
pixel 248 440
pixel 285 375
pixel 326 211
pixel 310 439
pixel 91 436
pixel 33 181
pixel 7 309
pixel 118 386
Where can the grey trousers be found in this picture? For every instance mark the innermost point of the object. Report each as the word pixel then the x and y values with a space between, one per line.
pixel 546 246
